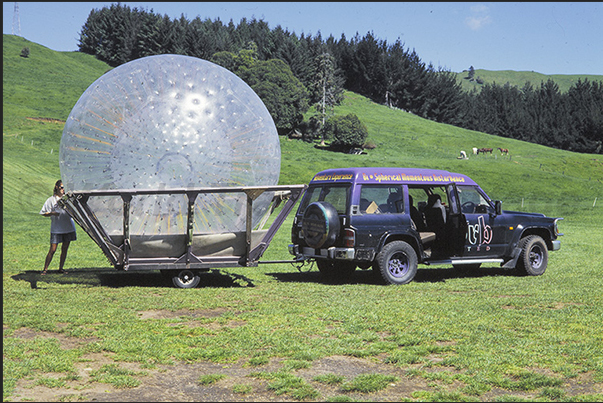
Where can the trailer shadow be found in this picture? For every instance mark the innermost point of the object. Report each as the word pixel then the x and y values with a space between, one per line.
pixel 424 275
pixel 109 277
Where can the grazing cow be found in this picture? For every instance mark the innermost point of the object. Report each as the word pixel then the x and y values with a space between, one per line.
pixel 463 156
pixel 474 150
pixel 503 151
pixel 485 150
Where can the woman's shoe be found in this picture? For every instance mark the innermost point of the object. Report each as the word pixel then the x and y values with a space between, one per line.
pixel 44 272
pixel 62 271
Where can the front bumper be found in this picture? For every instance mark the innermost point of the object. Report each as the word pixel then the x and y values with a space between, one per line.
pixel 556 244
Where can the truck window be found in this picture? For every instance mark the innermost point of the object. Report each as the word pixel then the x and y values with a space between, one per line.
pixel 335 195
pixel 380 199
pixel 472 201
pixel 420 195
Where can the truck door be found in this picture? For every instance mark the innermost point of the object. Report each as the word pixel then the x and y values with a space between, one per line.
pixel 380 211
pixel 485 230
pixel 457 223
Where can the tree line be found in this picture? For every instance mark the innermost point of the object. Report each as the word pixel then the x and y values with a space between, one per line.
pixel 316 70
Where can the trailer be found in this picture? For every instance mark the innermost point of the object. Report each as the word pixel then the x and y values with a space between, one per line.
pixel 182 256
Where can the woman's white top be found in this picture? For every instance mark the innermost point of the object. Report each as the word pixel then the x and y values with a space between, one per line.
pixel 61 224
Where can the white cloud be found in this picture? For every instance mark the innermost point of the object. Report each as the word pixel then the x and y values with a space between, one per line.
pixel 479 18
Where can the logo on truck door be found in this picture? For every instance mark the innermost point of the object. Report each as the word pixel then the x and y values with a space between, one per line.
pixel 479 233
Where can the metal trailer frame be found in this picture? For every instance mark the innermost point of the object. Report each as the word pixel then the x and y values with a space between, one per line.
pixel 119 255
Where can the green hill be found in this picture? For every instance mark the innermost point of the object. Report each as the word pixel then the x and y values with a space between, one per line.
pixel 485 335
pixel 47 84
pixel 519 78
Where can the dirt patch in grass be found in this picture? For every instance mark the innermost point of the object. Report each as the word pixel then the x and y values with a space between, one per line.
pixel 48 120
pixel 180 382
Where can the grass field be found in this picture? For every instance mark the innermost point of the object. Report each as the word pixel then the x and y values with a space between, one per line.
pixel 483 335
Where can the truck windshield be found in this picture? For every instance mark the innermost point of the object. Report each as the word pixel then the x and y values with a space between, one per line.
pixel 336 195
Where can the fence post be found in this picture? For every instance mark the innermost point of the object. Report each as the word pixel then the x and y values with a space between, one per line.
pixel 595 202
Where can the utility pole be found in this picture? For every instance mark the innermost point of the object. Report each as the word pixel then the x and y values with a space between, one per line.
pixel 16 21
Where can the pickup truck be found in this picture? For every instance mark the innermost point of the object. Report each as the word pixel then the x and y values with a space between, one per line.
pixel 392 219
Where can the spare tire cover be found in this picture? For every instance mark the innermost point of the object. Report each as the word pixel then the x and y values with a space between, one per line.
pixel 320 225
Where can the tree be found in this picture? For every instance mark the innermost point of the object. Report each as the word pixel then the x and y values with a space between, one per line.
pixel 326 89
pixel 347 132
pixel 471 73
pixel 284 95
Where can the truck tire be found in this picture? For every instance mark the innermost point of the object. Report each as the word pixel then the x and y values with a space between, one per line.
pixel 534 256
pixel 320 225
pixel 397 263
pixel 335 269
pixel 186 278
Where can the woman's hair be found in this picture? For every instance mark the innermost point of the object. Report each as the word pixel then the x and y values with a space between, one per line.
pixel 57 186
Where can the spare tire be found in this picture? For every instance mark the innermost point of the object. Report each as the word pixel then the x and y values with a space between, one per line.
pixel 320 225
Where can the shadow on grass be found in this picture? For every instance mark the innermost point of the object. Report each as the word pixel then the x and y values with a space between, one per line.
pixel 424 275
pixel 108 277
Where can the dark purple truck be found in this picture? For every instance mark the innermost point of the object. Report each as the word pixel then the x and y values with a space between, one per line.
pixel 392 219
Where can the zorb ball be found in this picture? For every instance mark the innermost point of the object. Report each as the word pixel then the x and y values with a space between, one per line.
pixel 164 122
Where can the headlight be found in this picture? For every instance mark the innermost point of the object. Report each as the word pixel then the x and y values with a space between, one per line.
pixel 556 227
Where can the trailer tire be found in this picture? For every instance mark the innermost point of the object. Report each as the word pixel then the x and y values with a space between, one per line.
pixel 320 225
pixel 186 279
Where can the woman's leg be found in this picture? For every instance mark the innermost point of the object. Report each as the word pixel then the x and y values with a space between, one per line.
pixel 53 248
pixel 64 250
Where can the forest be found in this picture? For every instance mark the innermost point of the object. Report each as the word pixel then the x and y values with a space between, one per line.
pixel 312 71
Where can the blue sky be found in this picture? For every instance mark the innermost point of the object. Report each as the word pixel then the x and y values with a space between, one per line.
pixel 545 37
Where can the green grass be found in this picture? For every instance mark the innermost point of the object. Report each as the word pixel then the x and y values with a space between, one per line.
pixel 210 379
pixel 483 330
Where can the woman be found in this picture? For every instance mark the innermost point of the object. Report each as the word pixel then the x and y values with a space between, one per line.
pixel 62 227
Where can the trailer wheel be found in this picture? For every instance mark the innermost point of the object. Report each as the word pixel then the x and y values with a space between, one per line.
pixel 397 263
pixel 186 279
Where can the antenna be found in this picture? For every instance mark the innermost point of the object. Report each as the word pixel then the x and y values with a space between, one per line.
pixel 16 21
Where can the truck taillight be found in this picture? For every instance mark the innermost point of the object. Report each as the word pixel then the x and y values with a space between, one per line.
pixel 349 238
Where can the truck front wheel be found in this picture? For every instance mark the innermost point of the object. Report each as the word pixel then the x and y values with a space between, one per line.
pixel 534 256
pixel 397 263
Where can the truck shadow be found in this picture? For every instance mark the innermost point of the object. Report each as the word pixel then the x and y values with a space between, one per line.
pixel 109 277
pixel 424 275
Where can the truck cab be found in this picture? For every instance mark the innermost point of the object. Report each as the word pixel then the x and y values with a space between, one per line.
pixel 392 219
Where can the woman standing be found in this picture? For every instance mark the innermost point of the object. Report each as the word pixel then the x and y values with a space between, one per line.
pixel 62 227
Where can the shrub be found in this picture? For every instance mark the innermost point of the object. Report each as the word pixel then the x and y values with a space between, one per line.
pixel 346 132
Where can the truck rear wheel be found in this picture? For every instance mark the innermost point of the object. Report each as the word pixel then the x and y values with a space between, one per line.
pixel 397 263
pixel 186 278
pixel 534 256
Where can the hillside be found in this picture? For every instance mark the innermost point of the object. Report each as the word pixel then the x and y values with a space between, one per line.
pixel 280 332
pixel 47 84
pixel 519 78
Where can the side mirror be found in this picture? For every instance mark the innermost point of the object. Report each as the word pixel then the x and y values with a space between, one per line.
pixel 498 207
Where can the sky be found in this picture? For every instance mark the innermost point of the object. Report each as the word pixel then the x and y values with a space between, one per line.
pixel 544 37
